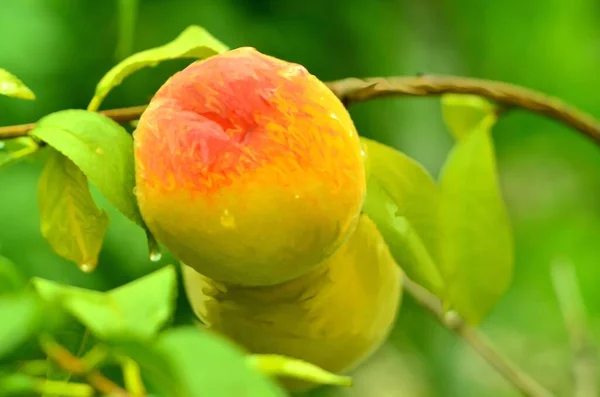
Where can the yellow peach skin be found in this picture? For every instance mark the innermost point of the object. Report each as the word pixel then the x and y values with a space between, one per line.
pixel 333 316
pixel 248 168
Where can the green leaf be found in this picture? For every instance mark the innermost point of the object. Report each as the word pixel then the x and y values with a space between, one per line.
pixel 477 244
pixel 463 113
pixel 135 310
pixel 17 384
pixel 101 148
pixel 20 318
pixel 403 201
pixel 276 365
pixel 12 150
pixel 11 86
pixel 193 42
pixel 11 280
pixel 70 220
pixel 186 362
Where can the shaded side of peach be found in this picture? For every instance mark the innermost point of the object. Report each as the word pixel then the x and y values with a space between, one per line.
pixel 248 168
pixel 334 316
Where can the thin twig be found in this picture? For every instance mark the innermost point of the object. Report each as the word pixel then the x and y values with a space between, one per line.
pixel 121 115
pixel 509 370
pixel 585 360
pixel 354 90
pixel 67 361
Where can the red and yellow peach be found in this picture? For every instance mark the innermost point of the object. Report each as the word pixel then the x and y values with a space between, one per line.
pixel 248 168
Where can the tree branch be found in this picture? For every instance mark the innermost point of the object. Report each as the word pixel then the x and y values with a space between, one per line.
pixel 355 90
pixel 585 360
pixel 121 115
pixel 510 371
pixel 74 365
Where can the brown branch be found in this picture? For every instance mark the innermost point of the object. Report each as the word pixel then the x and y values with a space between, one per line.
pixel 67 361
pixel 510 371
pixel 354 90
pixel 585 359
pixel 122 115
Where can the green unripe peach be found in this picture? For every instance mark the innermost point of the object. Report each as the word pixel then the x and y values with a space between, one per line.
pixel 334 316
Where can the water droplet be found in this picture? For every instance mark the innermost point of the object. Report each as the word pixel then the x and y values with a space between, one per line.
pixel 135 191
pixel 2 144
pixel 227 220
pixel 363 150
pixel 99 151
pixel 297 196
pixel 155 256
pixel 153 247
pixel 333 116
pixel 87 267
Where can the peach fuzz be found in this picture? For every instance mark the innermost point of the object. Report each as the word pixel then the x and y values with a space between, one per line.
pixel 248 168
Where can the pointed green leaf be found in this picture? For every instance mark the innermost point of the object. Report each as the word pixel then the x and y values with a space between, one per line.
pixel 11 86
pixel 12 150
pixel 403 201
pixel 463 113
pixel 194 42
pixel 70 220
pixel 20 317
pixel 281 366
pixel 477 245
pixel 101 148
pixel 186 362
pixel 135 310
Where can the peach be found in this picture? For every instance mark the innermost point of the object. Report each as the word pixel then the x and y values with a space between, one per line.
pixel 335 316
pixel 248 168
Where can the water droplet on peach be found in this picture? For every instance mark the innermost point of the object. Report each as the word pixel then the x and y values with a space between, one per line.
pixel 227 220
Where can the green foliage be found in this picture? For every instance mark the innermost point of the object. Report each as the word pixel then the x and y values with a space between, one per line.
pixel 16 385
pixel 11 86
pixel 137 310
pixel 128 322
pixel 185 362
pixel 11 280
pixel 15 149
pixel 281 366
pixel 193 42
pixel 476 239
pixel 21 317
pixel 101 148
pixel 403 201
pixel 453 238
pixel 463 113
pixel 70 220
pixel 128 10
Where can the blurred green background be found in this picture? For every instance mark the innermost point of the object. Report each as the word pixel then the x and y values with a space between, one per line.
pixel 550 175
